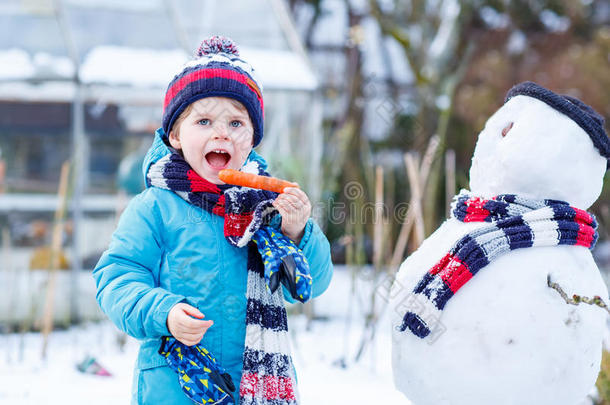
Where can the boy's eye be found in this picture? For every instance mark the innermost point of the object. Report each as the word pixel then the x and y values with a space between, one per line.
pixel 236 124
pixel 204 121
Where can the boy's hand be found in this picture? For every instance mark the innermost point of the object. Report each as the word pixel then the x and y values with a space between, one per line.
pixel 184 327
pixel 295 209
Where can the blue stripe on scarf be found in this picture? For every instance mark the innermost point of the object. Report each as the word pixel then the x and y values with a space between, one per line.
pixel 267 316
pixel 518 233
pixel 471 253
pixel 442 295
pixel 275 364
pixel 423 283
pixel 496 210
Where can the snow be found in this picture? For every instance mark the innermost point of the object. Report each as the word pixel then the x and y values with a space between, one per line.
pixel 15 64
pixel 445 36
pixel 318 354
pixel 49 65
pixel 132 5
pixel 18 64
pixel 331 26
pixel 517 43
pixel 554 22
pixel 493 18
pixel 375 64
pixel 139 67
pixel 443 102
pixel 116 65
pixel 280 70
pixel 144 68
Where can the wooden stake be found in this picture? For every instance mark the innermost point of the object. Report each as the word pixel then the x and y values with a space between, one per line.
pixel 12 283
pixel 47 320
pixel 378 225
pixel 2 176
pixel 449 178
pixel 411 162
pixel 410 217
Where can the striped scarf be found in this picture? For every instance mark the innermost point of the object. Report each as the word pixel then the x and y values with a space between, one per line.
pixel 268 374
pixel 514 222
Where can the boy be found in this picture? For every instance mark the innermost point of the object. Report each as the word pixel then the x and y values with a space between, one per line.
pixel 185 260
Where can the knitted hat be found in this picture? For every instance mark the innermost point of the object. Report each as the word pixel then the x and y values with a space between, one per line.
pixel 582 114
pixel 216 71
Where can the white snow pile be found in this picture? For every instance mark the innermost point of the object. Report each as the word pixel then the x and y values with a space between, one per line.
pixel 278 69
pixel 138 67
pixel 19 64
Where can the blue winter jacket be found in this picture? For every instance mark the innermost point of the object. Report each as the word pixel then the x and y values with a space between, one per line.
pixel 166 251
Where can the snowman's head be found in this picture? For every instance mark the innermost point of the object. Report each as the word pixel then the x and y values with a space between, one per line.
pixel 539 149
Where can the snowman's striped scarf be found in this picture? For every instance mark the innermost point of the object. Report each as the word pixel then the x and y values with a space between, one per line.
pixel 515 222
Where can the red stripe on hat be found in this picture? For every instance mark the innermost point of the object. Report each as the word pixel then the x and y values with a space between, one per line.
pixel 272 387
pixel 455 274
pixel 198 183
pixel 203 73
pixel 236 224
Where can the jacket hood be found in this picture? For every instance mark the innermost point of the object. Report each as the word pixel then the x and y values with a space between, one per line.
pixel 159 148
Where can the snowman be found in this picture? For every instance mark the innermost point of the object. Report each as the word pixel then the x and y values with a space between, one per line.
pixel 475 320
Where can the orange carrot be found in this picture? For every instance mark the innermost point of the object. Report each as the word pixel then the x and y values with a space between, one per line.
pixel 251 180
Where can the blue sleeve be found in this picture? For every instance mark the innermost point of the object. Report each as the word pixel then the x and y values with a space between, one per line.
pixel 316 250
pixel 125 276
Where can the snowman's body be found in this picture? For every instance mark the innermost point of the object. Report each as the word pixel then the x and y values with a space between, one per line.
pixel 506 337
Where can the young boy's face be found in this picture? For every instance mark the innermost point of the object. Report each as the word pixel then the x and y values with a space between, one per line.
pixel 214 133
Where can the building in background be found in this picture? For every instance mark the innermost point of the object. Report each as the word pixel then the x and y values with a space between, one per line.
pixel 84 80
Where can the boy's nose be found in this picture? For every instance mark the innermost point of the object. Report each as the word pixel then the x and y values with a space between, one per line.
pixel 221 131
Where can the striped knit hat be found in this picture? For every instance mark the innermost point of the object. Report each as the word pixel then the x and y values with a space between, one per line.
pixel 216 71
pixel 582 114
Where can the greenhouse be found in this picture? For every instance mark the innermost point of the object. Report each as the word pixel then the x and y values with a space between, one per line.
pixel 83 81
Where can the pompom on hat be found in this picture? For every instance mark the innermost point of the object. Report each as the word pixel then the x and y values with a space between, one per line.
pixel 216 71
pixel 582 114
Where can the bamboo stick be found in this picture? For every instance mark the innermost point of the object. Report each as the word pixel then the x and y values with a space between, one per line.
pixel 2 175
pixel 378 225
pixel 416 193
pixel 47 320
pixel 403 237
pixel 449 178
pixel 11 280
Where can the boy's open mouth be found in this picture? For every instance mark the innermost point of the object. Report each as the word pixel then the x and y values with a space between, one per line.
pixel 218 158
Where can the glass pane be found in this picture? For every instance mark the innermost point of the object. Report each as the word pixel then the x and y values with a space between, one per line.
pixel 135 5
pixel 115 163
pixel 118 138
pixel 31 33
pixel 250 23
pixel 90 27
pixel 35 141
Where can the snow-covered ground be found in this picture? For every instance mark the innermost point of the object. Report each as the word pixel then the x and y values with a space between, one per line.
pixel 324 358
